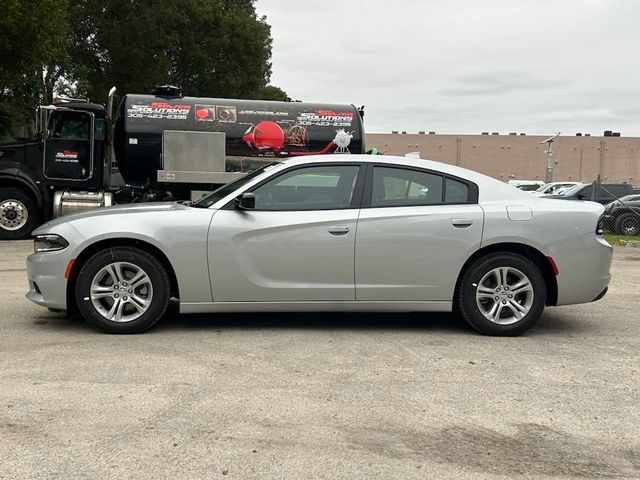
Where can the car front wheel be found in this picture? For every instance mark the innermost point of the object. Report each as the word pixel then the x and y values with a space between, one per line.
pixel 122 290
pixel 628 224
pixel 502 294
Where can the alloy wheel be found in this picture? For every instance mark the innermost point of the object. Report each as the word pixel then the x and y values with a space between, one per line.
pixel 121 292
pixel 504 295
pixel 631 226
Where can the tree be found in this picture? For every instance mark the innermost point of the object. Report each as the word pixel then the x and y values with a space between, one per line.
pixel 83 47
pixel 208 47
pixel 34 37
pixel 271 92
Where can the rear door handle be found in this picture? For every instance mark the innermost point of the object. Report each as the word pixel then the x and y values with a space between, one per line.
pixel 461 222
pixel 338 230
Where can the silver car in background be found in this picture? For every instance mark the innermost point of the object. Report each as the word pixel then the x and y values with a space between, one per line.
pixel 340 233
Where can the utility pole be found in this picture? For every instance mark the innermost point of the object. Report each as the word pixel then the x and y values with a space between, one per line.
pixel 603 147
pixel 548 176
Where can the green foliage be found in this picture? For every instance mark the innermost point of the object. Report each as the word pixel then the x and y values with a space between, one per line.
pixel 34 40
pixel 271 92
pixel 217 48
pixel 208 47
pixel 619 239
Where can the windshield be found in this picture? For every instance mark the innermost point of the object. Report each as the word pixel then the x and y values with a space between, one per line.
pixel 543 187
pixel 629 198
pixel 572 190
pixel 206 202
pixel 528 187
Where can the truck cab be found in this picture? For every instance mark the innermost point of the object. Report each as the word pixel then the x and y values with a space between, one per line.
pixel 67 151
pixel 73 146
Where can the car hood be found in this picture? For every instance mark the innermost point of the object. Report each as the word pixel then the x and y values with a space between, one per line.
pixel 103 214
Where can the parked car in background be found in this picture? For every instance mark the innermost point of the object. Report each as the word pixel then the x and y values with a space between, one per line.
pixel 526 185
pixel 553 188
pixel 607 193
pixel 344 233
pixel 560 191
pixel 622 216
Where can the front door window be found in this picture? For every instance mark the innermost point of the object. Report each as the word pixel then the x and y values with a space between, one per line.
pixel 323 187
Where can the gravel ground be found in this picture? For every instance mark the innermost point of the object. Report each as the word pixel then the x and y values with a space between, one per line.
pixel 340 396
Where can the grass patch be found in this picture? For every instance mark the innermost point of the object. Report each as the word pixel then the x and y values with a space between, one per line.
pixel 615 239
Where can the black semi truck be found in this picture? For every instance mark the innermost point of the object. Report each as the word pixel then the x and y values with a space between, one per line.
pixel 157 147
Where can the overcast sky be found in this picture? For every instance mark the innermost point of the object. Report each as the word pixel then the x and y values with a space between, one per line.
pixel 465 66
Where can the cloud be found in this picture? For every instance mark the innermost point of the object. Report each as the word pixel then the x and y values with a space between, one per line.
pixel 499 83
pixel 463 66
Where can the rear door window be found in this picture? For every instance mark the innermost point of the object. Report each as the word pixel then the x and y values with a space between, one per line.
pixel 456 191
pixel 394 187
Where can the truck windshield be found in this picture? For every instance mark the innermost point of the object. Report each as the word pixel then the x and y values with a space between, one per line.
pixel 206 202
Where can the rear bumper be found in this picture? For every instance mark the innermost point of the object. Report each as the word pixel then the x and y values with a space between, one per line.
pixel 601 294
pixel 584 265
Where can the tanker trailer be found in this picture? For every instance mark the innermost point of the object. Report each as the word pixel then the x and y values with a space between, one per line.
pixel 189 145
pixel 166 147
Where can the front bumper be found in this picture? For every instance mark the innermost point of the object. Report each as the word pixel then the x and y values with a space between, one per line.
pixel 46 270
pixel 608 221
pixel 47 285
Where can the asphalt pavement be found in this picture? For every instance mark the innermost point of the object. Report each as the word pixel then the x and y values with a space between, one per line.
pixel 331 396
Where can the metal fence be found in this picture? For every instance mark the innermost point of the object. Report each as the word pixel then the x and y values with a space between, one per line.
pixel 622 206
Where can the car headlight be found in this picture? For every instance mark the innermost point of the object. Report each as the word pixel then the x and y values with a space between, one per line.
pixel 49 243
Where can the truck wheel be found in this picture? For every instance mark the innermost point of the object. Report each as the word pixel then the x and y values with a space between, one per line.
pixel 628 224
pixel 18 214
pixel 502 294
pixel 122 290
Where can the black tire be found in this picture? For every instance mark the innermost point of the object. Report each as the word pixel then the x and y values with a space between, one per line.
pixel 471 282
pixel 158 279
pixel 628 224
pixel 13 201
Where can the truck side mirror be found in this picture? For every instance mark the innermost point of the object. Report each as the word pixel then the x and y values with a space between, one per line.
pixel 246 201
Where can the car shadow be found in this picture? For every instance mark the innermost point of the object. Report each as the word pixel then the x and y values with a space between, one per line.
pixel 317 321
pixel 552 323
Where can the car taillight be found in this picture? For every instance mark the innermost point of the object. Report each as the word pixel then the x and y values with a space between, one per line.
pixel 600 226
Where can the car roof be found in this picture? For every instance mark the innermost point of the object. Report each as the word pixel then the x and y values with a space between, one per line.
pixel 388 159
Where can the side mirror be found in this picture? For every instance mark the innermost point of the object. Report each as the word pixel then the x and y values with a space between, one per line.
pixel 246 201
pixel 582 196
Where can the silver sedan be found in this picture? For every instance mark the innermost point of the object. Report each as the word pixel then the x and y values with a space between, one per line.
pixel 341 233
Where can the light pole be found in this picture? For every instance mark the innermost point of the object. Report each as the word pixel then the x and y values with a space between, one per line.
pixel 548 176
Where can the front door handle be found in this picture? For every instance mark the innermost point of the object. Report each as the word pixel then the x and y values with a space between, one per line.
pixel 461 222
pixel 338 230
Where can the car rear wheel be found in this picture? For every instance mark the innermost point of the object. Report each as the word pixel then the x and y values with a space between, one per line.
pixel 502 294
pixel 628 224
pixel 122 290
